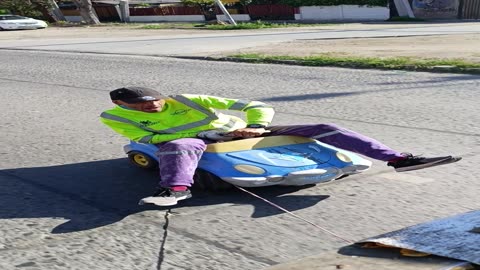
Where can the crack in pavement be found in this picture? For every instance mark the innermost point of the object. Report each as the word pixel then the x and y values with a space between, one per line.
pixel 123 213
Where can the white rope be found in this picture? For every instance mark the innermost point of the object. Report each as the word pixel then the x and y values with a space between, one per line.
pixel 288 212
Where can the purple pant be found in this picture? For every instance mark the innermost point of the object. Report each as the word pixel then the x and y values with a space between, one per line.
pixel 179 158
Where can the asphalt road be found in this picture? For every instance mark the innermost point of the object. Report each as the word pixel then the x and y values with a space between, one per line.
pixel 68 194
pixel 183 43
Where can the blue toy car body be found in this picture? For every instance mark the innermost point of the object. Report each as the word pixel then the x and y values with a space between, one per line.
pixel 266 161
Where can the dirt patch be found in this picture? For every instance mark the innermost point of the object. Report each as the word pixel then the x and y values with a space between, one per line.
pixel 465 47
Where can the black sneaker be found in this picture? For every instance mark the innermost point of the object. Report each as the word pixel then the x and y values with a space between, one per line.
pixel 412 162
pixel 166 197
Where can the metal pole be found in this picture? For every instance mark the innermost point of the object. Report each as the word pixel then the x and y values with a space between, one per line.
pixel 125 10
pixel 225 12
pixel 56 11
pixel 460 10
pixel 404 8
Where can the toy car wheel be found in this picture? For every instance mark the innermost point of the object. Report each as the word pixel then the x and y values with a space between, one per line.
pixel 205 180
pixel 142 160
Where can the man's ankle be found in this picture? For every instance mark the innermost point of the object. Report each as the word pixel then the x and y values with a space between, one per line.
pixel 178 188
pixel 396 159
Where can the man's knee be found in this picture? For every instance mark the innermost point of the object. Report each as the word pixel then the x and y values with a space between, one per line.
pixel 183 144
pixel 329 127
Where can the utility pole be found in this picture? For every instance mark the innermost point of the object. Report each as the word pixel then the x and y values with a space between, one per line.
pixel 125 11
pixel 56 11
pixel 225 12
pixel 404 8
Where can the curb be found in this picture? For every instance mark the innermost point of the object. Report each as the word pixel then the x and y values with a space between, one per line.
pixel 434 69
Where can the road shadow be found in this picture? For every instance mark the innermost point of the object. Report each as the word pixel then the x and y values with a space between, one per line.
pixel 315 96
pixel 94 194
pixel 440 79
pixel 396 257
pixel 279 195
pixel 311 96
pixel 403 86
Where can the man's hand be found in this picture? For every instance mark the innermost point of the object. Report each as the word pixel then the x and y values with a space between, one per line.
pixel 248 132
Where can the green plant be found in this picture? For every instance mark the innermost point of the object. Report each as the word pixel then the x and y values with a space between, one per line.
pixel 67 24
pixel 206 6
pixel 257 25
pixel 29 8
pixel 169 26
pixel 142 5
pixel 245 2
pixel 298 3
pixel 402 63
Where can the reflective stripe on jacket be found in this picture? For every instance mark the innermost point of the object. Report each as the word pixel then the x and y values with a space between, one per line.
pixel 183 116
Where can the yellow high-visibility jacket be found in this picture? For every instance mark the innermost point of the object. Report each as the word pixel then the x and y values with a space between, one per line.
pixel 184 116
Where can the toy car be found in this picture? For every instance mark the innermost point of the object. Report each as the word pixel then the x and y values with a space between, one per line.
pixel 262 161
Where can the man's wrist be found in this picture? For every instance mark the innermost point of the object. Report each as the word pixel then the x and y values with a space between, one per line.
pixel 256 126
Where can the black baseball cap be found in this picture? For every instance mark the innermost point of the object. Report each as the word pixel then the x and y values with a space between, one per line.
pixel 135 94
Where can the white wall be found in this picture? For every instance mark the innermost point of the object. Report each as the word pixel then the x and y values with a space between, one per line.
pixel 343 12
pixel 321 13
pixel 168 18
pixel 365 13
pixel 73 18
pixel 236 17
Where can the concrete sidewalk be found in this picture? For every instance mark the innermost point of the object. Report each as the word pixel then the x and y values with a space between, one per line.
pixel 285 41
pixel 364 260
pixel 418 47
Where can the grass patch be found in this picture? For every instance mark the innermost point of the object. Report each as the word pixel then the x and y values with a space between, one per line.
pixel 405 19
pixel 242 25
pixel 168 25
pixel 171 26
pixel 67 24
pixel 130 25
pixel 257 25
pixel 399 63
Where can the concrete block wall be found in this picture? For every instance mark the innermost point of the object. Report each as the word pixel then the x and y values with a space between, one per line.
pixel 320 13
pixel 343 13
pixel 168 18
pixel 236 17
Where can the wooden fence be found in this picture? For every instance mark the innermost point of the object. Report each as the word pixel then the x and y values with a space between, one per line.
pixel 469 9
pixel 163 11
pixel 271 12
pixel 106 13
